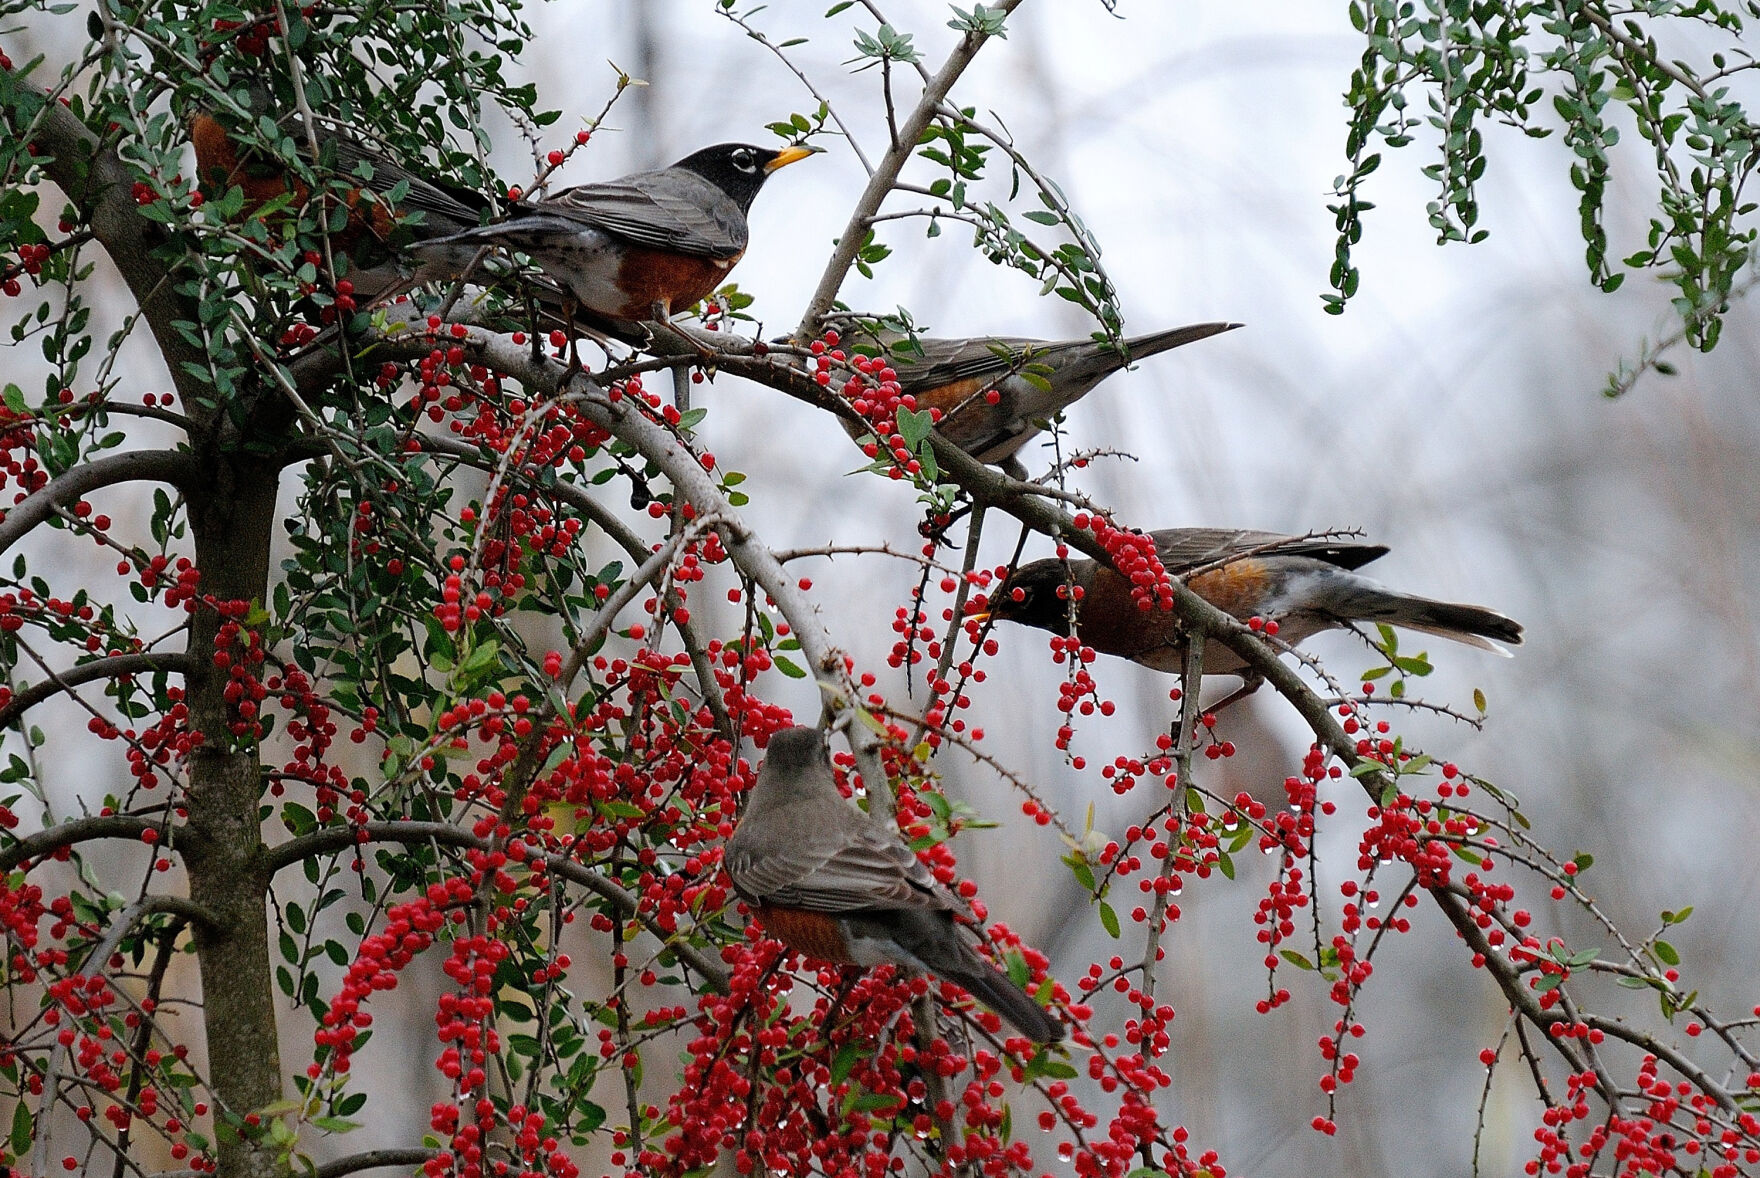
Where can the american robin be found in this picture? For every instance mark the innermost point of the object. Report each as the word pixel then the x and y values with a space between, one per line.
pixel 374 228
pixel 639 247
pixel 1305 585
pixel 827 883
pixel 996 392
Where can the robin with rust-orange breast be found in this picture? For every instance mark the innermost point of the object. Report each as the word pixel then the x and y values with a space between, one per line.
pixel 996 392
pixel 350 175
pixel 642 246
pixel 831 885
pixel 1305 585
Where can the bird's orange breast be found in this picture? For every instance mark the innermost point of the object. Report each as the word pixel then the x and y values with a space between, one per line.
pixel 811 933
pixel 648 276
pixel 219 167
pixel 1238 588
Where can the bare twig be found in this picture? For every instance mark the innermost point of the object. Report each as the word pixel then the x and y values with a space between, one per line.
pixel 885 174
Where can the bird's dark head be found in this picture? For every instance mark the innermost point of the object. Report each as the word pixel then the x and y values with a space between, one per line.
pixel 1035 594
pixel 739 169
pixel 794 749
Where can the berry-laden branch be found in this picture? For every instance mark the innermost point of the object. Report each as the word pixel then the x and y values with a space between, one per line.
pixel 70 834
pixel 445 834
pixel 183 909
pixel 579 499
pixel 179 468
pixel 1027 503
pixel 687 474
pixel 114 666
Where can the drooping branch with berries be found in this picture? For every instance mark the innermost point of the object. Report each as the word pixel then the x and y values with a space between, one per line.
pixel 481 702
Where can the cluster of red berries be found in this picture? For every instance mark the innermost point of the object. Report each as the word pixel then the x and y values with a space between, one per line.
pixel 31 257
pixel 1133 555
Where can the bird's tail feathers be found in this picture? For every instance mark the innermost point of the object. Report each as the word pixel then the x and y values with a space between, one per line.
pixel 1472 625
pixel 994 989
pixel 1143 346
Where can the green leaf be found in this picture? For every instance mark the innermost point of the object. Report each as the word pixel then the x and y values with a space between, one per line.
pixel 787 667
pixel 1084 874
pixel 20 1139
pixel 1109 920
pixel 914 426
pixel 1666 953
pixel 845 1062
pixel 1295 959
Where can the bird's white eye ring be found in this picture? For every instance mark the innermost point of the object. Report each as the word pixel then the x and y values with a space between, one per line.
pixel 742 159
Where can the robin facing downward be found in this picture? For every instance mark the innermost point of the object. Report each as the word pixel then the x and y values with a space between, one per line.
pixel 828 883
pixel 1305 585
pixel 996 392
pixel 644 245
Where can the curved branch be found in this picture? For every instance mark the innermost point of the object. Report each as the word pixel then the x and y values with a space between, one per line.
pixel 67 834
pixel 113 667
pixel 334 839
pixel 885 174
pixel 180 468
pixel 375 1159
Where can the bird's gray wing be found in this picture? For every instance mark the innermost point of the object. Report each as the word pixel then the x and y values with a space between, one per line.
pixel 1187 548
pixel 844 870
pixel 667 210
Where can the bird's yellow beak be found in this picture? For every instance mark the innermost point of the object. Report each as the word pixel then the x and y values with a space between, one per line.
pixel 982 615
pixel 793 153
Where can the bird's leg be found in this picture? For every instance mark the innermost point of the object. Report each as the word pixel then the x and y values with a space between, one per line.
pixel 1250 682
pixel 661 311
pixel 1014 469
pixel 850 978
pixel 574 341
pixel 536 326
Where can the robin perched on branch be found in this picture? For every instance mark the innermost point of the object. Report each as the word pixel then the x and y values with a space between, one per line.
pixel 996 392
pixel 368 238
pixel 830 884
pixel 644 245
pixel 1305 585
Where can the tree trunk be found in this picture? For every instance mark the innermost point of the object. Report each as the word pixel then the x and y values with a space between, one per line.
pixel 232 529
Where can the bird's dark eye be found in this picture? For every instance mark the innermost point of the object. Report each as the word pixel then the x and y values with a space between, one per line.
pixel 744 160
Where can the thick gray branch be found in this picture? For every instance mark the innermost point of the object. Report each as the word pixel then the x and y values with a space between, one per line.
pixel 113 667
pixel 67 834
pixel 180 468
pixel 375 1159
